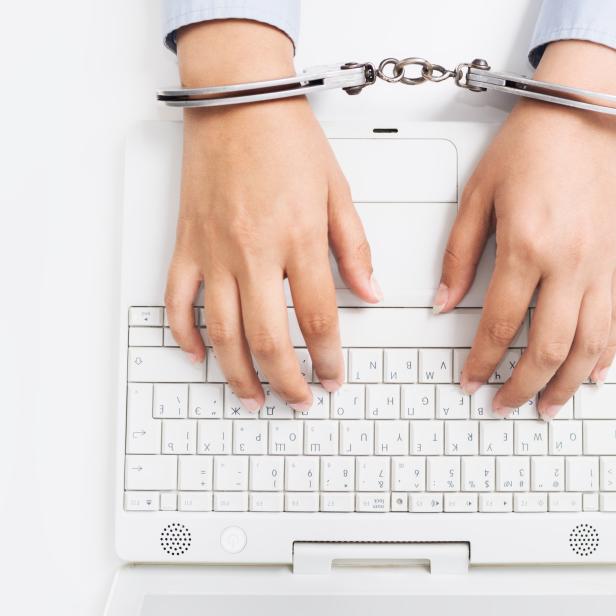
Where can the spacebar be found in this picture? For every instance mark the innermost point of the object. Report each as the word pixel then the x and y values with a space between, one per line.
pixel 406 327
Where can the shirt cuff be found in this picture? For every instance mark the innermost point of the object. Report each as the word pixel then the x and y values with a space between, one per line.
pixel 282 14
pixel 586 20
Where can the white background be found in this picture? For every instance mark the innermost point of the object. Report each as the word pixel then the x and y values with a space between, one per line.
pixel 75 75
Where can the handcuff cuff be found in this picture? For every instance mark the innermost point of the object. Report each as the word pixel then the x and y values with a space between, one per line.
pixel 353 77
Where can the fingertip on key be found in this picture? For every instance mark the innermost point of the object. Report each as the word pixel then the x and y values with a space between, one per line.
pixel 330 385
pixel 549 412
pixel 469 387
pixel 502 411
pixel 250 404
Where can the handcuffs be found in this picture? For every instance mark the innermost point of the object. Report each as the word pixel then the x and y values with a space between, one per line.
pixel 352 77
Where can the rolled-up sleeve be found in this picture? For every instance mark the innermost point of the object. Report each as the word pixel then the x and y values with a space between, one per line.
pixel 587 20
pixel 283 14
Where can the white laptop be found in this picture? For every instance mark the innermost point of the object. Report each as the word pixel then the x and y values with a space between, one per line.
pixel 398 466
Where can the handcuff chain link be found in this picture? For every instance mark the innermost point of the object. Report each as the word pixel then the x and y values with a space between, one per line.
pixel 428 71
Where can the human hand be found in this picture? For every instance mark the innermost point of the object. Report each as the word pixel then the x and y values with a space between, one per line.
pixel 261 195
pixel 547 184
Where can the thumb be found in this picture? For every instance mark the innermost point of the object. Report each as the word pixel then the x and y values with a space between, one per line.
pixel 464 248
pixel 349 244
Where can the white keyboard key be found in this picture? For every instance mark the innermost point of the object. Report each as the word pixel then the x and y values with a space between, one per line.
pixel 266 501
pixel 427 438
pixel 426 503
pixel 592 402
pixel 321 437
pixel 400 366
pixel 547 474
pixel 460 502
pixel 600 438
pixel 168 501
pixel 230 473
pixel 301 473
pixel 145 336
pixel 495 503
pixel 418 401
pixel 382 401
pixel 365 365
pixel 162 364
pixel 234 409
pixel 214 437
pixel 179 436
pixel 530 502
pixel 391 438
pixel 565 438
pixel 481 403
pixel 564 501
pixel 566 410
pixel 461 438
pixel 582 474
pixel 372 474
pixel 249 437
pixel 478 474
pixel 168 339
pixel 531 438
pixel 305 363
pixel 496 438
pixel 372 503
pixel 357 438
pixel 142 430
pixel 320 405
pixel 266 473
pixel 459 359
pixel 607 502
pixel 275 407
pixel 146 316
pixel 443 474
pixel 195 501
pixel 230 501
pixel 150 472
pixel 195 473
pixel 435 366
pixel 512 474
pixel 338 502
pixel 348 402
pixel 337 474
pixel 526 411
pixel 451 403
pixel 505 366
pixel 408 473
pixel 170 401
pixel 399 501
pixel 285 437
pixel 590 501
pixel 607 473
pixel 141 501
pixel 214 371
pixel 301 501
pixel 205 401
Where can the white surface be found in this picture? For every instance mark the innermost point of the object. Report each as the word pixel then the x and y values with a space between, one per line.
pixel 90 69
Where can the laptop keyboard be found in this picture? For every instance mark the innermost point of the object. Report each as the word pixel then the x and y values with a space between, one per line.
pixel 399 436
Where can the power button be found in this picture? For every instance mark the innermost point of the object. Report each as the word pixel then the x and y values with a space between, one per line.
pixel 233 539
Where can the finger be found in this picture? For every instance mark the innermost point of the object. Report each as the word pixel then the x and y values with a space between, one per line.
pixel 601 369
pixel 550 337
pixel 464 248
pixel 314 298
pixel 588 344
pixel 264 313
pixel 505 307
pixel 349 244
pixel 223 318
pixel 183 283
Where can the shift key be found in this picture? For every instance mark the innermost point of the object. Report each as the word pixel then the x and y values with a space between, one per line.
pixel 163 365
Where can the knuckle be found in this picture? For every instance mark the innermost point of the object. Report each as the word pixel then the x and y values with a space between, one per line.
pixel 242 388
pixel 219 333
pixel 550 355
pixel 319 325
pixel 264 344
pixel 592 347
pixel 500 332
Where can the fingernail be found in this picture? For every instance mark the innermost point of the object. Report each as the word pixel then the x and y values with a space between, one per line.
pixel 440 299
pixel 330 385
pixel 549 412
pixel 193 358
pixel 376 288
pixel 470 387
pixel 503 411
pixel 250 404
pixel 300 406
pixel 601 376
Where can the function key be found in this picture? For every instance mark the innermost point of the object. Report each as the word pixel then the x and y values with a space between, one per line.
pixel 145 316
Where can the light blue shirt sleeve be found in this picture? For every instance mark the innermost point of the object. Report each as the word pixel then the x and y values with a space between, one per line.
pixel 587 20
pixel 283 14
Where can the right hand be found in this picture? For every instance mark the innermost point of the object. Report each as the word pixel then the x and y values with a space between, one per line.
pixel 261 195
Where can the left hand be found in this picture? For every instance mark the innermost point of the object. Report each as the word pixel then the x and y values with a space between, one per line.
pixel 548 186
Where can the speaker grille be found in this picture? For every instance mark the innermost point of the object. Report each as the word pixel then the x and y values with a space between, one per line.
pixel 584 539
pixel 175 539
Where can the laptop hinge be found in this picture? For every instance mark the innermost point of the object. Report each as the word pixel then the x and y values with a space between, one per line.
pixel 444 558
